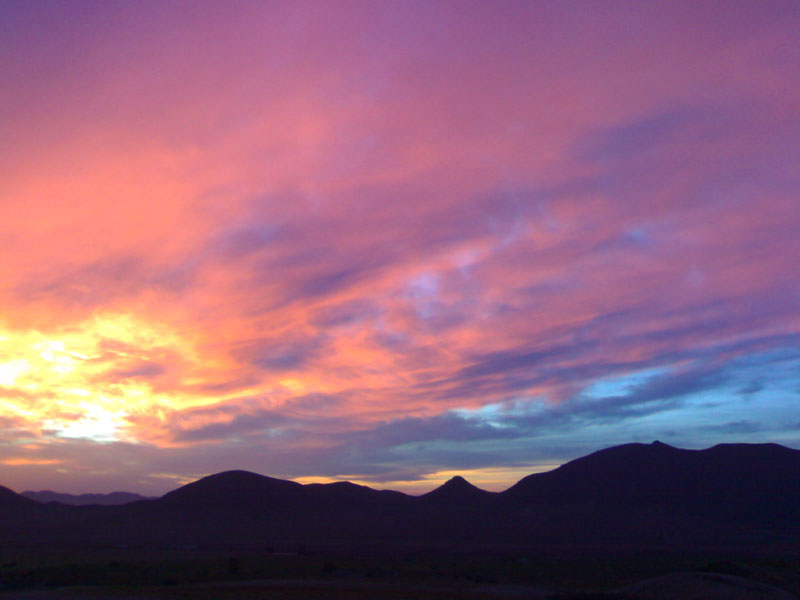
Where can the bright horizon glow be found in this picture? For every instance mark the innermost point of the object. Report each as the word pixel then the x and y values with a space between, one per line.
pixel 392 242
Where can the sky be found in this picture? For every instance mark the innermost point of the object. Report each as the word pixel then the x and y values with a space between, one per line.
pixel 390 242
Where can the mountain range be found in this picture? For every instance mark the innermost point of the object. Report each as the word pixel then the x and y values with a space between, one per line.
pixel 112 499
pixel 630 495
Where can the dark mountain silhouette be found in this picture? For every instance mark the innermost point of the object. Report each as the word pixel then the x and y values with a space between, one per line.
pixel 733 477
pixel 234 490
pixel 660 494
pixel 247 494
pixel 10 502
pixel 112 499
pixel 241 489
pixel 455 491
pixel 344 493
pixel 631 495
pixel 239 505
pixel 456 511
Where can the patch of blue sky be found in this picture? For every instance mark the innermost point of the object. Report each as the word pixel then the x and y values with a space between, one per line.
pixel 620 385
pixel 756 400
pixel 767 384
pixel 781 363
pixel 495 414
pixel 716 416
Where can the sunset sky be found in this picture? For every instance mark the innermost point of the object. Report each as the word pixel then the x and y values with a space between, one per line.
pixel 389 242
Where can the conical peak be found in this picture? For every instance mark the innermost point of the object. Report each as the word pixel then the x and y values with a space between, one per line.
pixel 458 484
pixel 457 480
pixel 456 488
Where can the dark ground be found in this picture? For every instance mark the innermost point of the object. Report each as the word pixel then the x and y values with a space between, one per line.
pixel 30 573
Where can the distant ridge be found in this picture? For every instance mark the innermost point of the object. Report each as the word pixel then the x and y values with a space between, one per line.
pixel 112 499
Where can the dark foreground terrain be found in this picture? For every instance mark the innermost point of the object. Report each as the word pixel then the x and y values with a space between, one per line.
pixel 635 521
pixel 360 573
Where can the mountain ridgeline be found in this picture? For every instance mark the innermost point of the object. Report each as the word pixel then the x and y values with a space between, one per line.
pixel 630 495
pixel 112 499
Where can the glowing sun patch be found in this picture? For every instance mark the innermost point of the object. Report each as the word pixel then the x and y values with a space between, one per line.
pixel 87 380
